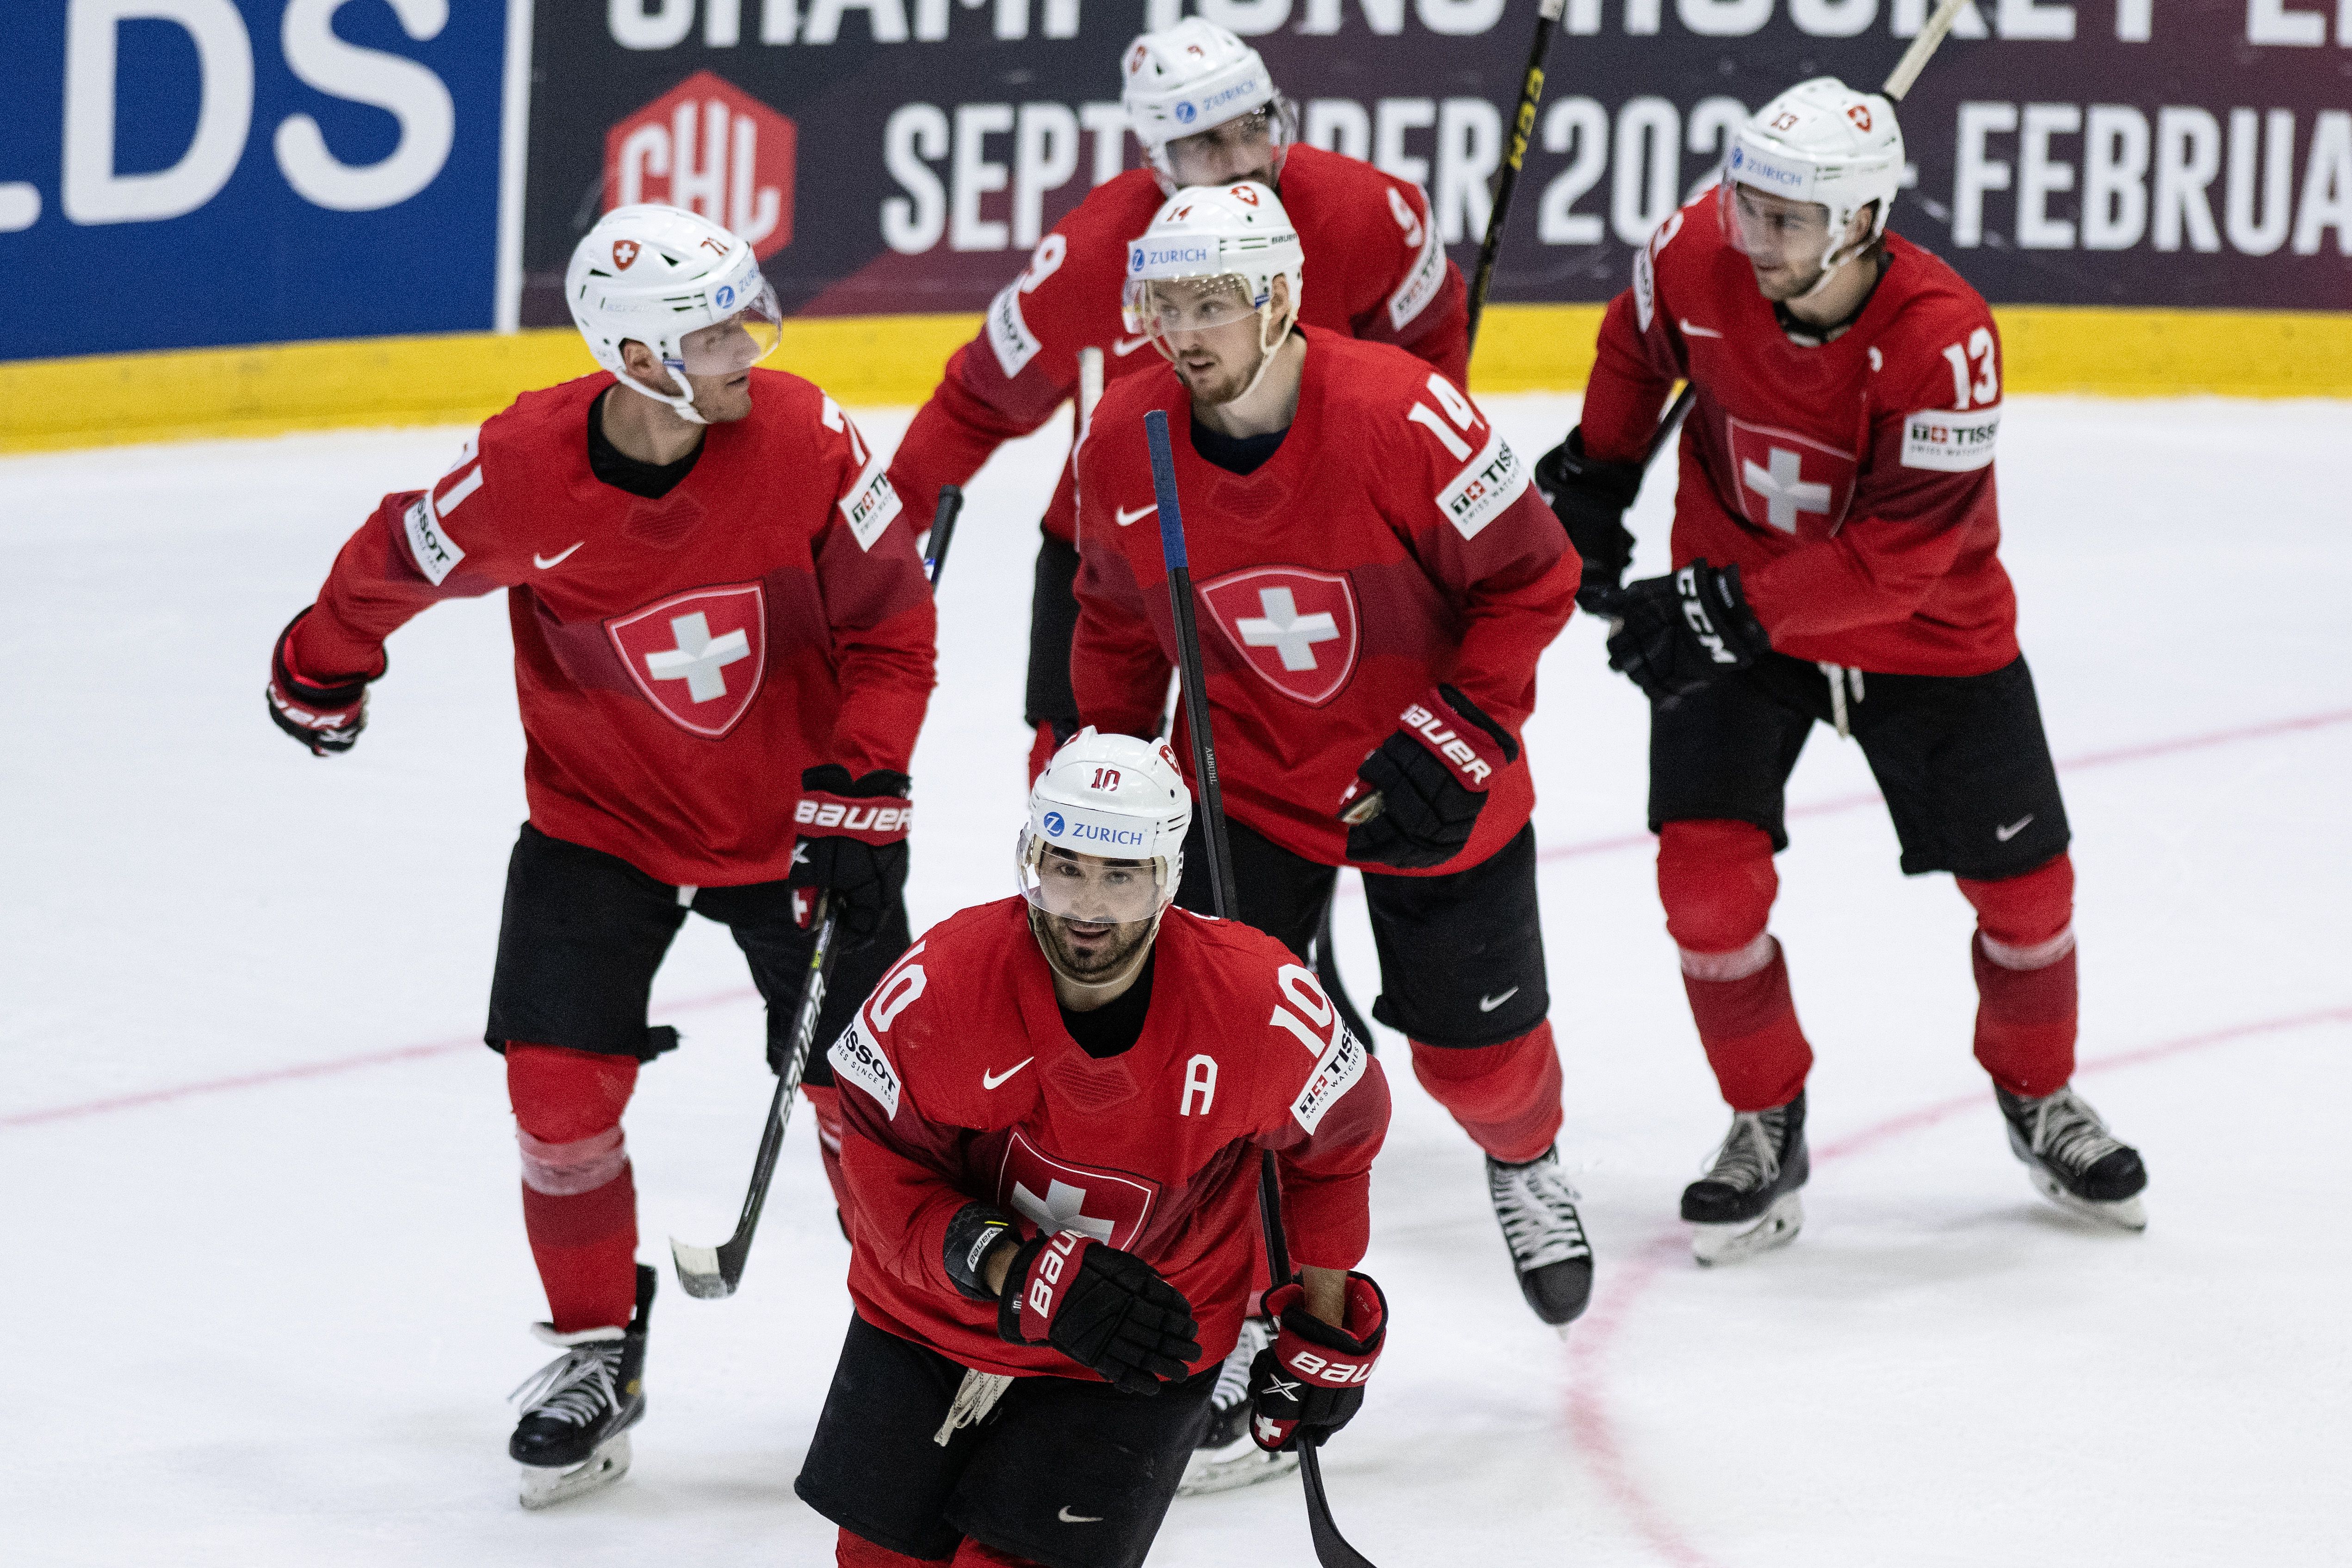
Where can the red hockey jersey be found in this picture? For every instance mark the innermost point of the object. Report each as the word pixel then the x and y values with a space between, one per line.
pixel 1852 482
pixel 960 1084
pixel 679 661
pixel 1393 542
pixel 1375 270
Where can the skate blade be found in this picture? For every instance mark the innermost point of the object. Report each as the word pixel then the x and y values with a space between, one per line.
pixel 2124 1214
pixel 1236 1465
pixel 1714 1245
pixel 544 1485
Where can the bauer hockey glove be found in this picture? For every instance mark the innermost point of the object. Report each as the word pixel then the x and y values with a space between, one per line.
pixel 1310 1382
pixel 327 718
pixel 1677 634
pixel 1590 498
pixel 1106 1310
pixel 1430 779
pixel 853 844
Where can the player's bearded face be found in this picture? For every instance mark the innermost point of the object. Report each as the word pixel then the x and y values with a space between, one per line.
pixel 1212 332
pixel 1093 916
pixel 1784 241
pixel 1248 148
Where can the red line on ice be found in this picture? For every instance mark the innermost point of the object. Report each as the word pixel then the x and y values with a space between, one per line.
pixel 1590 1423
pixel 300 1071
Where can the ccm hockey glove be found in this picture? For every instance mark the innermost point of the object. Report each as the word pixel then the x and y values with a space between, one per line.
pixel 1677 633
pixel 1590 498
pixel 1103 1309
pixel 1431 779
pixel 327 719
pixel 1310 1382
pixel 853 844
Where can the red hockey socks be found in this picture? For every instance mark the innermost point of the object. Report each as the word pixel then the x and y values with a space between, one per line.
pixel 853 1551
pixel 2023 954
pixel 579 1203
pixel 825 1104
pixel 1716 881
pixel 1505 1097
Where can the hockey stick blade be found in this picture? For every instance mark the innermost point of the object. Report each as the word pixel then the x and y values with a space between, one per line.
pixel 1331 1548
pixel 702 1272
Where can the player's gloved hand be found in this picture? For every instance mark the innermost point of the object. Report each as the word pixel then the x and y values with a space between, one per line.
pixel 1590 498
pixel 327 718
pixel 1310 1382
pixel 1103 1309
pixel 1678 633
pixel 1431 778
pixel 853 843
pixel 1052 736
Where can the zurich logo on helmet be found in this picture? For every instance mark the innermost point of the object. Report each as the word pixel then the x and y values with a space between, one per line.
pixel 725 297
pixel 1186 113
pixel 1738 156
pixel 1053 825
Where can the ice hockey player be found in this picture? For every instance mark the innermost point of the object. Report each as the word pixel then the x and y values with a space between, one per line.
pixel 1205 111
pixel 1376 580
pixel 714 598
pixel 1834 543
pixel 1054 1108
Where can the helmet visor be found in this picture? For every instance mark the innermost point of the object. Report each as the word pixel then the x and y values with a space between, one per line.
pixel 1091 889
pixel 1160 306
pixel 1250 147
pixel 1771 230
pixel 737 343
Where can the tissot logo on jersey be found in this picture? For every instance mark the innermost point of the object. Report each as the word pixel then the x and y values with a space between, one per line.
pixel 1486 490
pixel 871 506
pixel 858 1059
pixel 1336 1072
pixel 1947 442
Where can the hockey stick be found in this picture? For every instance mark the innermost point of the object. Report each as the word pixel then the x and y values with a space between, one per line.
pixel 943 522
pixel 1332 1549
pixel 1532 88
pixel 711 1272
pixel 1897 83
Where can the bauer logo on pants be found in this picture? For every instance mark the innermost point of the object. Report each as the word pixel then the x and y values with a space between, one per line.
pixel 1053 1194
pixel 698 656
pixel 1295 627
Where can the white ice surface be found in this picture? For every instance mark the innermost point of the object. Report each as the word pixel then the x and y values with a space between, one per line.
pixel 272 1322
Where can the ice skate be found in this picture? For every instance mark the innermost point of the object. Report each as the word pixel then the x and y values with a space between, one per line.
pixel 1226 1456
pixel 1536 1206
pixel 2073 1158
pixel 1747 1201
pixel 577 1410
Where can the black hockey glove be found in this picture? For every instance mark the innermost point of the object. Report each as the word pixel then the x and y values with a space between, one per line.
pixel 1678 633
pixel 1416 800
pixel 1590 498
pixel 853 844
pixel 1310 1382
pixel 327 719
pixel 1103 1309
pixel 975 1231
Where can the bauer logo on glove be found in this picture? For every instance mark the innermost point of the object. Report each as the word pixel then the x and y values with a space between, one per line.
pixel 1310 1382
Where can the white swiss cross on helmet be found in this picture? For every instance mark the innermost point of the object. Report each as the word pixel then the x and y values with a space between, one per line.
pixel 1822 141
pixel 1105 799
pixel 675 282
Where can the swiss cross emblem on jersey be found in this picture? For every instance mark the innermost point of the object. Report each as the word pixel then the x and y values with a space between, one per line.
pixel 698 656
pixel 1296 628
pixel 1053 1194
pixel 1790 482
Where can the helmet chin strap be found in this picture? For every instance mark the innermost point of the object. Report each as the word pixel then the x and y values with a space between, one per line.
pixel 680 405
pixel 1264 353
pixel 1117 981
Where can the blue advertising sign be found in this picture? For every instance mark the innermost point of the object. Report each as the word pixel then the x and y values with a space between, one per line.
pixel 180 174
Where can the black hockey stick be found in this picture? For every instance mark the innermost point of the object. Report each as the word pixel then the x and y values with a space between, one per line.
pixel 1332 1549
pixel 711 1272
pixel 943 522
pixel 1523 126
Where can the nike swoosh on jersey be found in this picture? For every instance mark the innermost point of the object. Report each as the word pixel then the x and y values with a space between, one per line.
pixel 1127 346
pixel 2005 834
pixel 1126 517
pixel 990 1079
pixel 1068 1517
pixel 1488 1003
pixel 544 562
pixel 1692 331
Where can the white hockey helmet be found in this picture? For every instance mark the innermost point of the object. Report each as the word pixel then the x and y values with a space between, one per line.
pixel 1822 142
pixel 1104 837
pixel 677 283
pixel 1220 248
pixel 1191 76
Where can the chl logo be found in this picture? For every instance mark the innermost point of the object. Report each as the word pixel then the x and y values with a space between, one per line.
pixel 710 147
pixel 1788 482
pixel 1297 628
pixel 698 656
pixel 1111 1206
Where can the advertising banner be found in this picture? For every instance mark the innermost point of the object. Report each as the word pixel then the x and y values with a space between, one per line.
pixel 905 156
pixel 177 174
